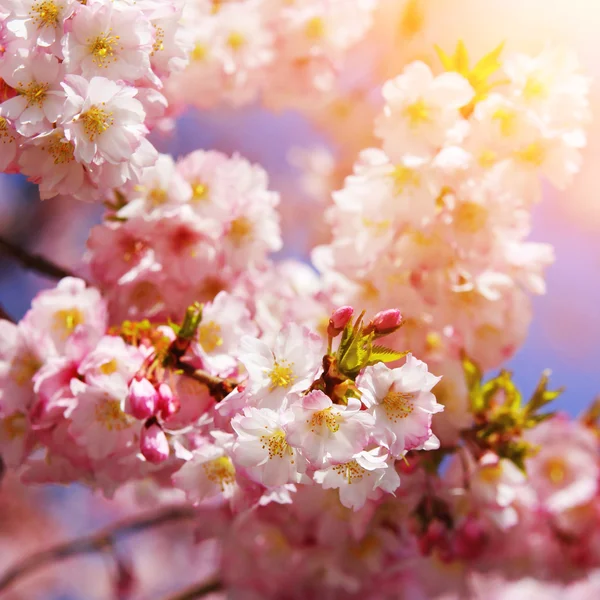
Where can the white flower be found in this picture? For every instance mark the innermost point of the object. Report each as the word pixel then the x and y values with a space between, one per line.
pixel 328 432
pixel 103 119
pixel 262 447
pixel 40 99
pixel 290 366
pixel 402 404
pixel 109 39
pixel 209 472
pixel 360 478
pixel 422 111
pixel 40 21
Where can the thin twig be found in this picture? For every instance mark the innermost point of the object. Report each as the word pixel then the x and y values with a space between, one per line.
pixel 4 315
pixel 35 262
pixel 218 387
pixel 96 542
pixel 198 590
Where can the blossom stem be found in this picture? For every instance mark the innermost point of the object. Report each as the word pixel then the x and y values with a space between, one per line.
pixel 35 262
pixel 96 542
pixel 217 386
pixel 199 590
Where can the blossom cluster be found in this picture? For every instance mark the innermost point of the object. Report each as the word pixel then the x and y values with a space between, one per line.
pixel 217 221
pixel 110 406
pixel 437 217
pixel 82 84
pixel 288 52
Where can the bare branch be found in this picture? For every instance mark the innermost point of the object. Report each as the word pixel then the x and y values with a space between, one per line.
pixel 198 590
pixel 96 542
pixel 4 315
pixel 35 262
pixel 218 387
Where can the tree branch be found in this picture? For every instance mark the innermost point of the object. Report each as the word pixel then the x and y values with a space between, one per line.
pixel 4 315
pixel 218 387
pixel 198 590
pixel 35 262
pixel 96 542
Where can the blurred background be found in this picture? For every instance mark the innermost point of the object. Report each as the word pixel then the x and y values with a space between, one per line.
pixel 564 335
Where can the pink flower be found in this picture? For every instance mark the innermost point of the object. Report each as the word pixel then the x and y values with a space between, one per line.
pixel 142 398
pixel 110 40
pixel 364 477
pixel 60 312
pixel 40 100
pixel 209 472
pixel 328 433
pixel 102 119
pixel 339 319
pixel 422 111
pixel 402 404
pixel 290 366
pixel 154 444
pixel 262 448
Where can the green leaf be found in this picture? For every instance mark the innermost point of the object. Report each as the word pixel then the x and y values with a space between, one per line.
pixel 385 355
pixel 542 395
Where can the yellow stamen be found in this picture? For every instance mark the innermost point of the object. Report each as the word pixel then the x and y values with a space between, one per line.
pixel 276 444
pixel 209 336
pixel 398 405
pixel 417 113
pixel 220 471
pixel 95 122
pixel 65 321
pixel 324 418
pixel 281 375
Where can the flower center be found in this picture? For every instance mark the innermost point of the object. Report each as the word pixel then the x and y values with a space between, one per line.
pixel 15 426
pixel 159 40
pixel 157 196
pixel 108 368
pixel 470 217
pixel 491 473
pixel 276 444
pixel 199 52
pixel 209 336
pixel 65 321
pixel 398 405
pixel 506 120
pixel 324 418
pixel 96 121
pixel 45 14
pixel 60 150
pixel 556 470
pixel 281 375
pixel 315 28
pixel 34 92
pixel 404 176
pixel 351 471
pixel 235 40
pixel 199 192
pixel 533 154
pixel 220 471
pixel 24 368
pixel 417 113
pixel 239 230
pixel 109 413
pixel 102 49
pixel 534 88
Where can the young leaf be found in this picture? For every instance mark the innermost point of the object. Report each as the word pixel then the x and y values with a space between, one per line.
pixel 385 355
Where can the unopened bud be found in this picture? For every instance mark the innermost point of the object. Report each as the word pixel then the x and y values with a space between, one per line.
pixel 154 444
pixel 168 404
pixel 142 399
pixel 386 321
pixel 339 319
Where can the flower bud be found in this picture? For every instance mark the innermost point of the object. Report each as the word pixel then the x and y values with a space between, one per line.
pixel 386 321
pixel 339 319
pixel 142 398
pixel 154 444
pixel 168 403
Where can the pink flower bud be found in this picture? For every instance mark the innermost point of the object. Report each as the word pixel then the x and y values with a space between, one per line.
pixel 339 319
pixel 386 321
pixel 142 399
pixel 154 444
pixel 168 404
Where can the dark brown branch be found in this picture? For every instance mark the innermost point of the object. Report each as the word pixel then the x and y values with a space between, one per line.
pixel 96 542
pixel 35 262
pixel 4 315
pixel 217 386
pixel 198 590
